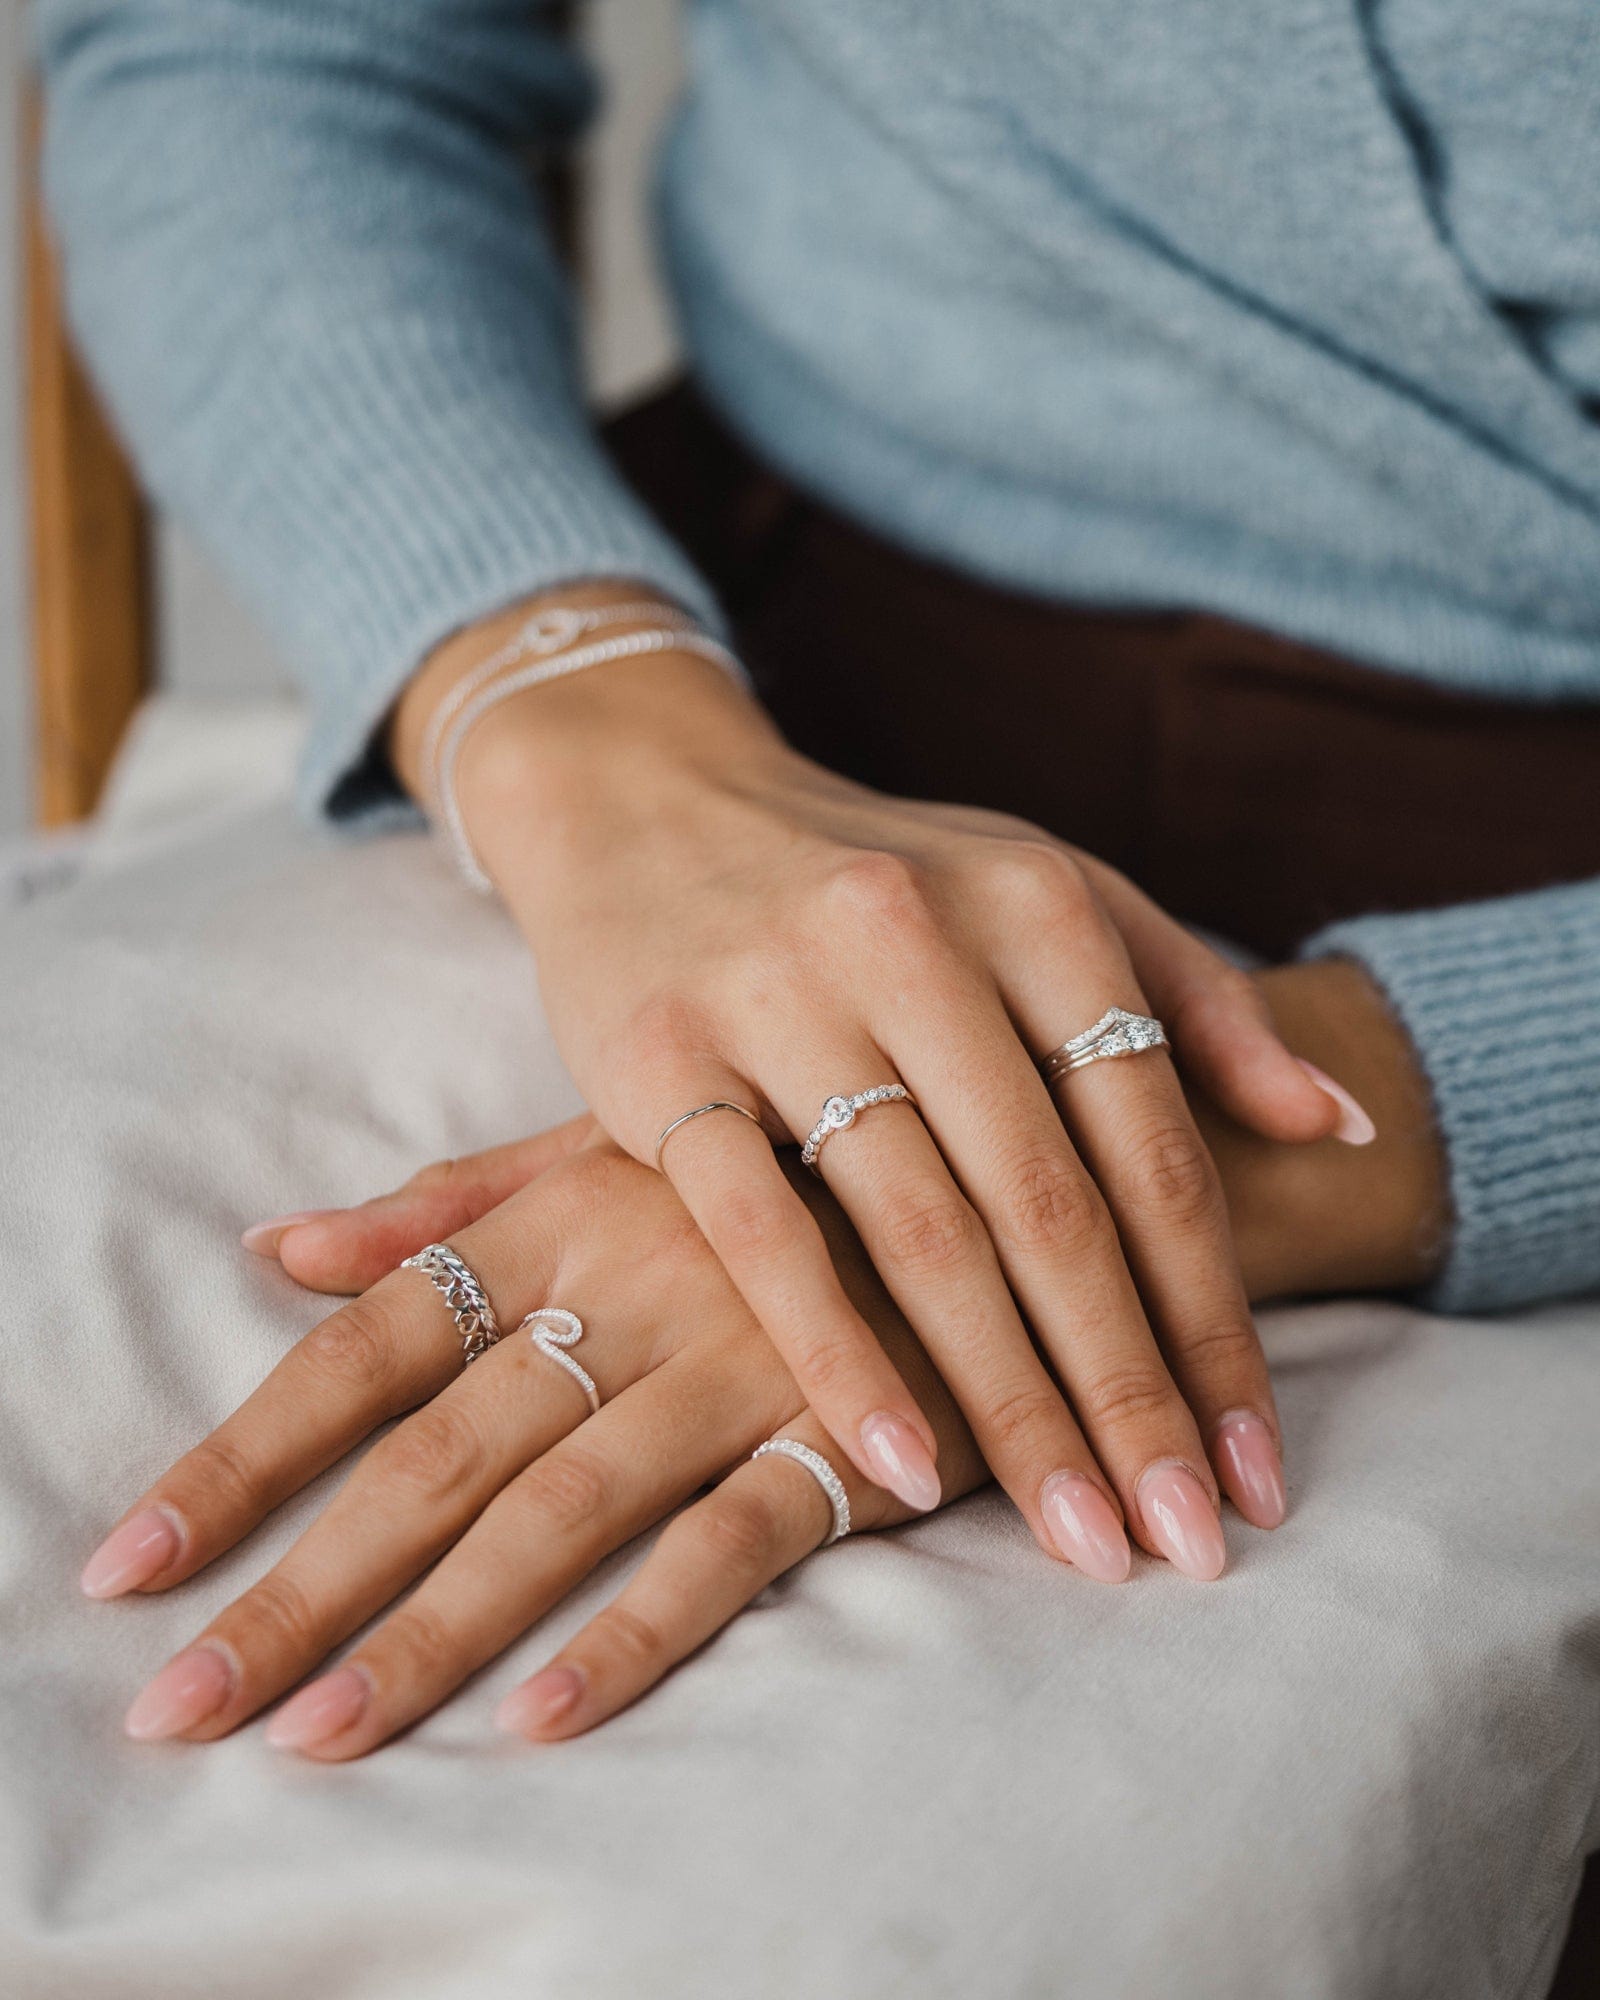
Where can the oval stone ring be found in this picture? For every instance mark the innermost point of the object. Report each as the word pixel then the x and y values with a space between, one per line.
pixel 841 1112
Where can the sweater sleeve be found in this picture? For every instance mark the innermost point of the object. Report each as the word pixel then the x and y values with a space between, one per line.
pixel 305 258
pixel 1502 1002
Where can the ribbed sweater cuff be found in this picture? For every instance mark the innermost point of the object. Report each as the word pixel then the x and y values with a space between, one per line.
pixel 1502 1001
pixel 399 480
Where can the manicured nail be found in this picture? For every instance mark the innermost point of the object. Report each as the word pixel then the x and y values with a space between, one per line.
pixel 552 1693
pixel 1355 1128
pixel 320 1711
pixel 130 1555
pixel 900 1461
pixel 185 1692
pixel 262 1238
pixel 1250 1467
pixel 1085 1528
pixel 1181 1521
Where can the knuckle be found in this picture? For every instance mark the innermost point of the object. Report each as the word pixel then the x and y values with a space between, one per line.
pixel 356 1346
pixel 416 1643
pixel 632 1635
pixel 223 1479
pixel 1049 1205
pixel 1017 1418
pixel 432 1453
pixel 739 1532
pixel 1175 1177
pixel 1224 1346
pixel 1223 989
pixel 750 1227
pixel 823 1363
pixel 569 1489
pixel 279 1609
pixel 1128 1396
pixel 928 1229
pixel 661 1029
pixel 878 891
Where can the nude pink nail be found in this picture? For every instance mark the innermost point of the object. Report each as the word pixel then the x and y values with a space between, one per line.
pixel 552 1693
pixel 1355 1128
pixel 262 1238
pixel 1250 1468
pixel 1182 1522
pixel 131 1555
pixel 1084 1527
pixel 899 1461
pixel 185 1692
pixel 320 1711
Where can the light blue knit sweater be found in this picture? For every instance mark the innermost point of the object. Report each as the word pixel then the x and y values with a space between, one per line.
pixel 1288 309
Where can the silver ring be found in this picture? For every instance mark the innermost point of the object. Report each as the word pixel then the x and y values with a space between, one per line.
pixel 822 1472
pixel 553 1328
pixel 457 1284
pixel 700 1110
pixel 1116 1033
pixel 839 1113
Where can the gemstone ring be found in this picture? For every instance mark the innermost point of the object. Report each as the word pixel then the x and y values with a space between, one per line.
pixel 841 1112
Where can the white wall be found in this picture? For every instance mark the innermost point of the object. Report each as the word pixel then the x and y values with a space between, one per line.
pixel 206 642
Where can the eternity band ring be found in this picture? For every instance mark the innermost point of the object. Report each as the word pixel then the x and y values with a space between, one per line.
pixel 459 1286
pixel 822 1472
pixel 1116 1033
pixel 839 1113
pixel 553 1329
pixel 700 1110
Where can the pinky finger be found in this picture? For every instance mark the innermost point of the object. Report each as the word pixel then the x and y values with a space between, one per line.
pixel 712 1561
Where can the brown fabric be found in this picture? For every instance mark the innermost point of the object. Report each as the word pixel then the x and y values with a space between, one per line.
pixel 1249 783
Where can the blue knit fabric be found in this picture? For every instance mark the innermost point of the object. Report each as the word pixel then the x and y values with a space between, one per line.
pixel 1287 309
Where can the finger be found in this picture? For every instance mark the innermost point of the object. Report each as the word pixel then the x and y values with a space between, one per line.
pixel 618 1474
pixel 1132 1126
pixel 348 1249
pixel 772 1249
pixel 379 1355
pixel 709 1563
pixel 1221 1027
pixel 935 1255
pixel 411 1497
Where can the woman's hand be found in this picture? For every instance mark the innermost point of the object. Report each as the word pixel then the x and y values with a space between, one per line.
pixel 501 1487
pixel 714 917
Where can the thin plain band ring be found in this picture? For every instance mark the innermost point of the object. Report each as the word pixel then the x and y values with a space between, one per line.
pixel 700 1110
pixel 459 1286
pixel 553 1328
pixel 822 1472
pixel 839 1114
pixel 1116 1033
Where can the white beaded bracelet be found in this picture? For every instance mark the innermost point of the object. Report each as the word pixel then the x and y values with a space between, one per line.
pixel 628 645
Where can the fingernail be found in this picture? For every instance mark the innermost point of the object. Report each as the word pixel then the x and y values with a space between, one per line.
pixel 262 1238
pixel 1355 1128
pixel 1084 1527
pixel 900 1461
pixel 1182 1521
pixel 552 1693
pixel 320 1711
pixel 185 1692
pixel 1250 1467
pixel 130 1555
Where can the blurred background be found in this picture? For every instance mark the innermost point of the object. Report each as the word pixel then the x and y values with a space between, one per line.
pixel 209 651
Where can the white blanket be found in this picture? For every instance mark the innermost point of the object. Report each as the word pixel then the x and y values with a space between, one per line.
pixel 1366 1764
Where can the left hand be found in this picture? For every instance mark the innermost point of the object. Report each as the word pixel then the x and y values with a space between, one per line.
pixel 498 1492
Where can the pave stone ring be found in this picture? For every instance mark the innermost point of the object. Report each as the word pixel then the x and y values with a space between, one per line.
pixel 552 1329
pixel 1116 1033
pixel 841 1112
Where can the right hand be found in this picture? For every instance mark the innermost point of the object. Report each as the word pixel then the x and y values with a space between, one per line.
pixel 714 916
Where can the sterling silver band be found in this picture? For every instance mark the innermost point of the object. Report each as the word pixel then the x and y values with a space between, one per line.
pixel 700 1110
pixel 822 1472
pixel 457 1284
pixel 839 1113
pixel 553 1328
pixel 1116 1033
